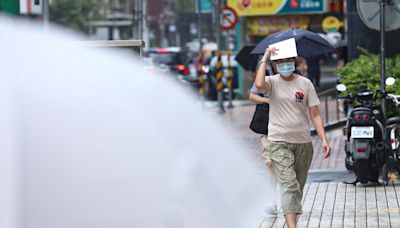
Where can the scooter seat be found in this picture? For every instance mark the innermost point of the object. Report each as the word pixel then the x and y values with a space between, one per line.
pixel 393 120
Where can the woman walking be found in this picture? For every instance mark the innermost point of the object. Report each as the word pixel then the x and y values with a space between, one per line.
pixel 291 97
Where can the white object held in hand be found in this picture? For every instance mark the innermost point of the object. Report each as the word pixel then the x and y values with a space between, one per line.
pixel 285 49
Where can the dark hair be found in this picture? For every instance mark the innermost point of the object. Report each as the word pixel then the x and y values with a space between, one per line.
pixel 293 58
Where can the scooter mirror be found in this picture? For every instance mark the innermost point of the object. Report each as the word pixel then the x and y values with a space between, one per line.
pixel 341 87
pixel 390 81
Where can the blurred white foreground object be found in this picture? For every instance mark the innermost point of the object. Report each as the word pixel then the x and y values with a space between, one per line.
pixel 89 139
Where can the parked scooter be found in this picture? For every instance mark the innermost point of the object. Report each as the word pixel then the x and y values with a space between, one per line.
pixel 365 145
pixel 393 131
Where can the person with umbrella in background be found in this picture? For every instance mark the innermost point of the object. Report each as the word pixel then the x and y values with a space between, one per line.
pixel 262 99
pixel 314 70
pixel 289 141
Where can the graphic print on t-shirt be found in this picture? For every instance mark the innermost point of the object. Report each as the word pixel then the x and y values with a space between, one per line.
pixel 299 97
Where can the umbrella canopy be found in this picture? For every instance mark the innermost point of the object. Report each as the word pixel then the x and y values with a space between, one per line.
pixel 86 144
pixel 247 60
pixel 309 44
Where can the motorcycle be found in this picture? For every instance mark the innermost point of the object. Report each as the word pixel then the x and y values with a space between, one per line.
pixel 365 146
pixel 393 132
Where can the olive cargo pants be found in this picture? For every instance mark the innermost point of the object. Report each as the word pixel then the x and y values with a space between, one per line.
pixel 291 162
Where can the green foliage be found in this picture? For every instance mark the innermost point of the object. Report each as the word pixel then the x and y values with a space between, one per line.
pixel 364 73
pixel 75 14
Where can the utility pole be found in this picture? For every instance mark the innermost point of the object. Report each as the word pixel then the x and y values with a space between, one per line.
pixel 45 11
pixel 219 86
pixel 200 54
pixel 134 19
pixel 137 23
pixel 140 22
pixel 199 24
pixel 145 35
pixel 218 22
pixel 383 68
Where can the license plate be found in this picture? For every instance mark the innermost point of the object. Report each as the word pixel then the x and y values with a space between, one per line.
pixel 362 132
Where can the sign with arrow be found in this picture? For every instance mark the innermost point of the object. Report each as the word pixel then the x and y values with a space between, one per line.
pixel 229 18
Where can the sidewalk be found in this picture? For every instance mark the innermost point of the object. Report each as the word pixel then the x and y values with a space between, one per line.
pixel 327 201
pixel 335 204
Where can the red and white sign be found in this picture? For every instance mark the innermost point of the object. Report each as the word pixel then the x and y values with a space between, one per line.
pixel 229 18
pixel 30 7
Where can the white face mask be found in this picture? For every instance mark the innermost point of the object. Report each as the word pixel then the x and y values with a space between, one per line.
pixel 285 69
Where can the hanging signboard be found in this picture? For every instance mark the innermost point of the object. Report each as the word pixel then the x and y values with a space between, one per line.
pixel 263 26
pixel 276 7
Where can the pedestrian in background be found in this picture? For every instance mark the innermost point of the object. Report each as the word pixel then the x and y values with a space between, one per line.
pixel 301 66
pixel 262 99
pixel 314 70
pixel 291 98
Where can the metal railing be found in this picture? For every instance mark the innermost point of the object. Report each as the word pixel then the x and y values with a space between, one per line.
pixel 330 108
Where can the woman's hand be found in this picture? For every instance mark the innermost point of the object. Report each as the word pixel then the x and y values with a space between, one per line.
pixel 268 53
pixel 326 149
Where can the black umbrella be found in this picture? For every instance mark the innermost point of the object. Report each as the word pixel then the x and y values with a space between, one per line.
pixel 246 60
pixel 309 44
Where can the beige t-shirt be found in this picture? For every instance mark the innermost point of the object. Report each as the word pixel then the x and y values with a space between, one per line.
pixel 288 109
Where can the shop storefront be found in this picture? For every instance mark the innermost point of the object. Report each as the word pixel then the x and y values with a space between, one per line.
pixel 263 17
pixel 260 26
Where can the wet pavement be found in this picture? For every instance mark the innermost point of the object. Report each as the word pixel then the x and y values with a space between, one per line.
pixel 327 200
pixel 239 117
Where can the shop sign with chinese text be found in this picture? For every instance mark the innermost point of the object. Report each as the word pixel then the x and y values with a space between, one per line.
pixel 276 7
pixel 262 26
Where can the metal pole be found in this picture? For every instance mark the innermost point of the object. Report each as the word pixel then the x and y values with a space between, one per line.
pixel 145 37
pixel 45 9
pixel 218 22
pixel 219 47
pixel 199 24
pixel 141 19
pixel 134 20
pixel 326 110
pixel 383 70
pixel 220 85
pixel 201 77
pixel 229 78
pixel 200 55
pixel 337 109
pixel 137 21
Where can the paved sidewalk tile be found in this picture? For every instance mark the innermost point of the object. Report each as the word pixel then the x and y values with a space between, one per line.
pixel 327 201
pixel 335 204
